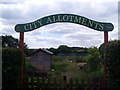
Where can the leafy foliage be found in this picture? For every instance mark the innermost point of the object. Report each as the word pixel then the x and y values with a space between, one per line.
pixel 28 66
pixel 11 63
pixel 67 49
pixel 110 52
pixel 9 41
pixel 64 49
pixel 93 60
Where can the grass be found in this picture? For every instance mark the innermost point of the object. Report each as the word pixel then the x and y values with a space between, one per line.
pixel 63 67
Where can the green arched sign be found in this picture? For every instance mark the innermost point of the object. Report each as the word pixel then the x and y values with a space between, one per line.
pixel 99 26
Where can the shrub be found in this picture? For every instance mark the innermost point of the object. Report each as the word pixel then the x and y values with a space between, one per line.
pixel 11 63
pixel 29 67
pixel 110 53
pixel 93 60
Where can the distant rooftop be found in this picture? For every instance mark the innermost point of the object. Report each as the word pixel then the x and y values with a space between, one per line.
pixel 41 49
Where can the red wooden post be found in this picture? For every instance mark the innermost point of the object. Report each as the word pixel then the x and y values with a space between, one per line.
pixel 22 42
pixel 105 63
pixel 22 53
pixel 105 37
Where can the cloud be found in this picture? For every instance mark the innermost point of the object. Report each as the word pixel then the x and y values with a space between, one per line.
pixel 25 11
pixel 8 31
pixel 61 28
pixel 45 42
pixel 85 36
pixel 119 34
pixel 86 39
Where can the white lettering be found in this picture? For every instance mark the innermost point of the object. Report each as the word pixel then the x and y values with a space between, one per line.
pixel 26 27
pixel 58 19
pixel 96 25
pixel 77 19
pixel 90 23
pixel 71 18
pixel 84 21
pixel 53 18
pixel 34 25
pixel 30 26
pixel 49 20
pixel 39 22
pixel 101 26
pixel 65 18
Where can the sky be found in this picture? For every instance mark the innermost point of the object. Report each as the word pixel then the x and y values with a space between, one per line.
pixel 24 11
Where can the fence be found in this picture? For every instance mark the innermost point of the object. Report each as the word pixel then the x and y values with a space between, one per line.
pixel 38 83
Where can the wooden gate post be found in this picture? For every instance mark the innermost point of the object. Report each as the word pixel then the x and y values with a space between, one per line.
pixel 22 53
pixel 105 63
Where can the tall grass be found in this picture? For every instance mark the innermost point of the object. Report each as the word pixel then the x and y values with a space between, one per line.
pixel 64 67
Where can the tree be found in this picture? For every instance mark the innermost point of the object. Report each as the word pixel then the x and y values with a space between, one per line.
pixel 9 41
pixel 53 50
pixel 110 52
pixel 93 59
pixel 64 49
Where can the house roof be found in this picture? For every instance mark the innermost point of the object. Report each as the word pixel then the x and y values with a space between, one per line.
pixel 40 49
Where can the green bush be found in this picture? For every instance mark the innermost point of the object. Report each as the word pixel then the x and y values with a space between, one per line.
pixel 29 67
pixel 96 74
pixel 93 60
pixel 11 68
pixel 110 52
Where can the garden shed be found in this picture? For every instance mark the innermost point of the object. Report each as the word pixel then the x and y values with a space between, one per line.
pixel 41 59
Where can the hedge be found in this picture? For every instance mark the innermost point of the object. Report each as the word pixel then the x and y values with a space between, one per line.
pixel 110 53
pixel 11 63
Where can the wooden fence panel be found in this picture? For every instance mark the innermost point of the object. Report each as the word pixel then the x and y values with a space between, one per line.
pixel 37 83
